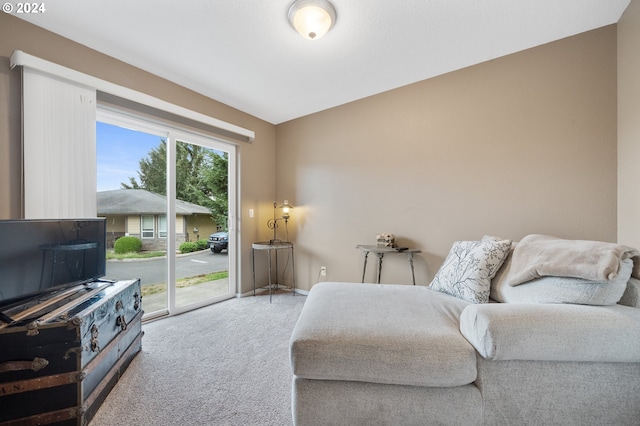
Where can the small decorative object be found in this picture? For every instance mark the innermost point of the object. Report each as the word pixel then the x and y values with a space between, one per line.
pixel 386 240
pixel 273 223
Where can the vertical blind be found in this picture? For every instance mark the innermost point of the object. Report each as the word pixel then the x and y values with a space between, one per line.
pixel 59 135
pixel 59 147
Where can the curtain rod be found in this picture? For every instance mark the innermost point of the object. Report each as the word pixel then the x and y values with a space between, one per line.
pixel 20 58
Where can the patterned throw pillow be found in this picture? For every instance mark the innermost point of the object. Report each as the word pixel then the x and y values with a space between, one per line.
pixel 467 271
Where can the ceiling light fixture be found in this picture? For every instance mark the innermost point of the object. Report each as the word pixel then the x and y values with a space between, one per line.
pixel 312 18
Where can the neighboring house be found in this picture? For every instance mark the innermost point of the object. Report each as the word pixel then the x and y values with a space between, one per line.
pixel 143 214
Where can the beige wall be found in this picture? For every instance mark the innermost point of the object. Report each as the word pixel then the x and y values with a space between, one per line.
pixel 203 222
pixel 180 225
pixel 134 225
pixel 522 144
pixel 256 160
pixel 629 126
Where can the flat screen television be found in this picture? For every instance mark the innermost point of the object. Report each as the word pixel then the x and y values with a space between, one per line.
pixel 38 255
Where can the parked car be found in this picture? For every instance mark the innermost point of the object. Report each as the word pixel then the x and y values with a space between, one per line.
pixel 218 241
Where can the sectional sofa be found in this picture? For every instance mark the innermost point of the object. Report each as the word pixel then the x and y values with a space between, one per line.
pixel 471 348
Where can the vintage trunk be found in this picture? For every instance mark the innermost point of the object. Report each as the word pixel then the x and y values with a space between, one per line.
pixel 58 364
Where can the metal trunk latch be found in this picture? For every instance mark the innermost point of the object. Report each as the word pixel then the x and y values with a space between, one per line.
pixel 95 346
pixel 120 319
pixel 121 322
pixel 32 328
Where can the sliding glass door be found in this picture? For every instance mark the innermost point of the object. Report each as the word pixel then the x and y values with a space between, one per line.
pixel 203 168
pixel 130 195
pixel 176 196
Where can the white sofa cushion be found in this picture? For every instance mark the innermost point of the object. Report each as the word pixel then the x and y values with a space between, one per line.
pixel 631 296
pixel 539 332
pixel 469 267
pixel 566 289
pixel 393 334
pixel 349 403
pixel 552 289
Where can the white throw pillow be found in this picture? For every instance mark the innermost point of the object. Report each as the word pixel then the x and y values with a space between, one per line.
pixel 469 267
pixel 552 289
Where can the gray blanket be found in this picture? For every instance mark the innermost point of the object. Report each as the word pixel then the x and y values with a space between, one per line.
pixel 536 256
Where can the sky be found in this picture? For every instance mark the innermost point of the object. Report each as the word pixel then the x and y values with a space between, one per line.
pixel 119 152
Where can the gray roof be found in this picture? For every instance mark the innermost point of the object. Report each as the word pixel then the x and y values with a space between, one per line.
pixel 141 201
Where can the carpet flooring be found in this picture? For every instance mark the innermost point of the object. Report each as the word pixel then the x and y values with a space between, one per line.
pixel 226 364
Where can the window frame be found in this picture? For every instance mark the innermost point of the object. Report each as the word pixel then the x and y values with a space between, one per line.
pixel 143 230
pixel 160 227
pixel 174 133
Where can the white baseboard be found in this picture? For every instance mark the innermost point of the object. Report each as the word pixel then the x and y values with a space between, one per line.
pixel 266 290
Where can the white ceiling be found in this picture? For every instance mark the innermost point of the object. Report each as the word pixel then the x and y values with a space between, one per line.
pixel 245 54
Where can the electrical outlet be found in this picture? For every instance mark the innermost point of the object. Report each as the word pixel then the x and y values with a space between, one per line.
pixel 323 271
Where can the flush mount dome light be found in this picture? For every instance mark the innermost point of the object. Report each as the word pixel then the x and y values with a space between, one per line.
pixel 312 18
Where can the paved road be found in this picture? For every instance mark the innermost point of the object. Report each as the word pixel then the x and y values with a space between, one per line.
pixel 153 271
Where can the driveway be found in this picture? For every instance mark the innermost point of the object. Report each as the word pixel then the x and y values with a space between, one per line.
pixel 153 271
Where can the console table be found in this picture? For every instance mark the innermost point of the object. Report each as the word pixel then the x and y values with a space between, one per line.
pixel 270 246
pixel 380 251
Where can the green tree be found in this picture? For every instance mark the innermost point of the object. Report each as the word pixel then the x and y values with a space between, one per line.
pixel 201 176
pixel 191 164
pixel 217 181
pixel 152 171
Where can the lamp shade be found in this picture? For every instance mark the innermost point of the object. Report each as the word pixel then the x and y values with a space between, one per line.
pixel 312 18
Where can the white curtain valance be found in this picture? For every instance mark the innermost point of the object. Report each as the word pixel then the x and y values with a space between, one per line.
pixel 59 135
pixel 20 58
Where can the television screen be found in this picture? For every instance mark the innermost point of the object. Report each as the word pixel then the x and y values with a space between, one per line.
pixel 37 255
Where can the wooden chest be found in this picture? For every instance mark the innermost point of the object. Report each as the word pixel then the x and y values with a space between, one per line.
pixel 57 365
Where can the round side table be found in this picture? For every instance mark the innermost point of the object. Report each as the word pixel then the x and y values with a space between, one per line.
pixel 270 246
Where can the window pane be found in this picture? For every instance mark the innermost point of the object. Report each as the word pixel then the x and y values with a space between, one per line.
pixel 131 195
pixel 202 175
pixel 147 227
pixel 162 226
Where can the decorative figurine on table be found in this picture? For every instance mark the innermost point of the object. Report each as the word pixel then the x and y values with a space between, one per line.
pixel 386 240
